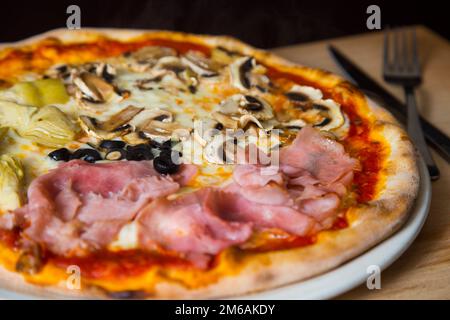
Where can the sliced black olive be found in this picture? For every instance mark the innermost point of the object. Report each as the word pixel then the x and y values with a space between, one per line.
pixel 171 155
pixel 112 144
pixel 296 96
pixel 139 152
pixel 88 155
pixel 165 165
pixel 116 154
pixel 324 122
pixel 60 155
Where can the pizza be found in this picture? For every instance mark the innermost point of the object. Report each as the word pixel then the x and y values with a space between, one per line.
pixel 169 165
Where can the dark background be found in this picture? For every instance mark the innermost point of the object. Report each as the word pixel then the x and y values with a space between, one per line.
pixel 262 24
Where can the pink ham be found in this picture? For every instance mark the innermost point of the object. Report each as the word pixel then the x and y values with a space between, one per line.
pixel 190 225
pixel 248 175
pixel 79 206
pixel 235 207
pixel 325 159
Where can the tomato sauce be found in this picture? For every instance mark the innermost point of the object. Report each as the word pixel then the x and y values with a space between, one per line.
pixel 124 263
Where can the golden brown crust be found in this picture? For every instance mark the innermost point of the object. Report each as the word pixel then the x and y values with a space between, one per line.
pixel 368 224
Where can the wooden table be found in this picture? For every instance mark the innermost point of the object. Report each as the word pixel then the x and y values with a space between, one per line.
pixel 423 271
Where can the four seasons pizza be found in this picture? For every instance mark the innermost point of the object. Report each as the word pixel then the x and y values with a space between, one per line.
pixel 170 165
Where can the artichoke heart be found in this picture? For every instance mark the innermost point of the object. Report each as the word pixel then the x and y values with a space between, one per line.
pixel 37 93
pixel 47 126
pixel 11 180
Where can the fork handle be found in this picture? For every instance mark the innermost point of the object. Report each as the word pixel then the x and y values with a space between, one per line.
pixel 416 133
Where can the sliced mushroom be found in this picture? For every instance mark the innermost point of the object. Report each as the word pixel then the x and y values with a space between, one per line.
pixel 91 127
pixel 230 105
pixel 61 71
pixel 200 64
pixel 188 77
pixel 152 53
pixel 302 96
pixel 220 150
pixel 239 70
pixel 333 117
pixel 119 119
pixel 170 63
pixel 255 106
pixel 205 129
pixel 93 88
pixel 226 120
pixel 147 57
pixel 295 124
pixel 146 115
pixel 106 71
pixel 160 130
pixel 115 126
pixel 248 118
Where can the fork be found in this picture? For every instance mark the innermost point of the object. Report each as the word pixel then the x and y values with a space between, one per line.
pixel 404 69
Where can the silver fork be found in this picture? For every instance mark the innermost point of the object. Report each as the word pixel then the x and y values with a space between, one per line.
pixel 403 68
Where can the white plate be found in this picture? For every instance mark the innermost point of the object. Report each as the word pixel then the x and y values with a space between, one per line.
pixel 354 272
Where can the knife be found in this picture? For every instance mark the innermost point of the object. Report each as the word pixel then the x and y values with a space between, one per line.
pixel 436 138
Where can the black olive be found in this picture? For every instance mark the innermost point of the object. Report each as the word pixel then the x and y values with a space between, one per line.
pixel 171 155
pixel 218 126
pixel 116 154
pixel 296 96
pixel 139 152
pixel 60 155
pixel 112 144
pixel 88 155
pixel 165 165
pixel 324 122
pixel 166 144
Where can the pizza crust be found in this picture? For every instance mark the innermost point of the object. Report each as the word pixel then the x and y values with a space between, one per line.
pixel 370 224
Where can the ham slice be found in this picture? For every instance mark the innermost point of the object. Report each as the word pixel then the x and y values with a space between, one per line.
pixel 325 159
pixel 80 206
pixel 190 225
